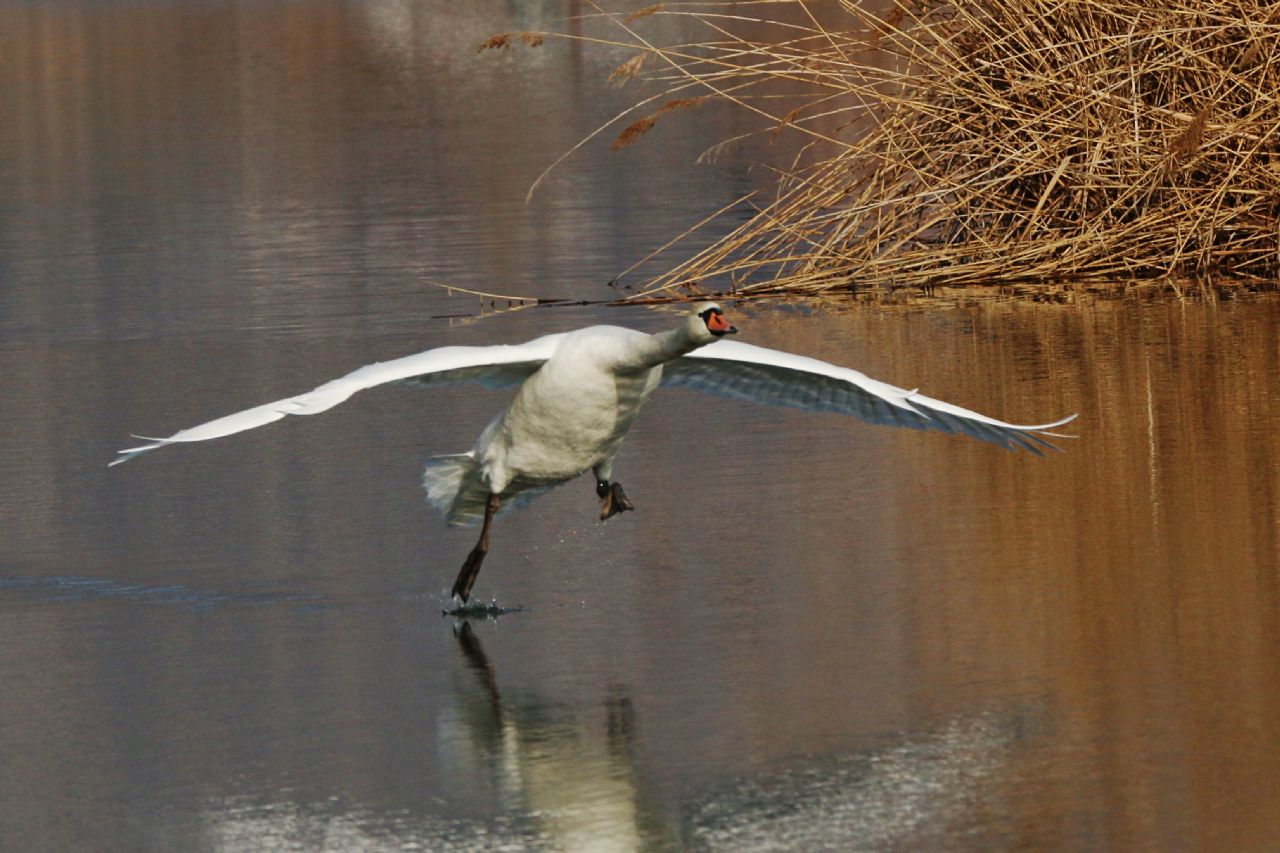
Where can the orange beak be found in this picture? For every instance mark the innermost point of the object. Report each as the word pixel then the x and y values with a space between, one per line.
pixel 719 325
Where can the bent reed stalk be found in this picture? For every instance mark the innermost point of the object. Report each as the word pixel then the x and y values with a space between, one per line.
pixel 984 141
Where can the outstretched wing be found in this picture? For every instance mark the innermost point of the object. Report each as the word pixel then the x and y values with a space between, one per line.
pixel 496 366
pixel 746 372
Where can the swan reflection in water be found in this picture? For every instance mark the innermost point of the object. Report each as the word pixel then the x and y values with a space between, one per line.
pixel 575 778
pixel 518 771
pixel 580 785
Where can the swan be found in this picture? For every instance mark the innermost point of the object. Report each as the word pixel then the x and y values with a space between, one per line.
pixel 579 393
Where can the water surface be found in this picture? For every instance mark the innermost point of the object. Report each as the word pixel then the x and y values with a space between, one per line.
pixel 812 633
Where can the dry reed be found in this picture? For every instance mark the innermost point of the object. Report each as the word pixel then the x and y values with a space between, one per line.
pixel 988 140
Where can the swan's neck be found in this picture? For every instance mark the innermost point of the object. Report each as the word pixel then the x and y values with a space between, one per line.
pixel 663 347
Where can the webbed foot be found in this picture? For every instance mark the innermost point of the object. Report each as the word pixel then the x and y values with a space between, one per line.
pixel 615 500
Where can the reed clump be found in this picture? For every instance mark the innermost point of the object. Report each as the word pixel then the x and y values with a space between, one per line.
pixel 987 140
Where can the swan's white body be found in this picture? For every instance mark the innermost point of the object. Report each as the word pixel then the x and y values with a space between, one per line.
pixel 568 417
pixel 579 393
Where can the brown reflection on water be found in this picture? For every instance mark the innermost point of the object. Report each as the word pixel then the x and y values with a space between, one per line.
pixel 1145 609
pixel 1081 646
pixel 809 629
pixel 178 155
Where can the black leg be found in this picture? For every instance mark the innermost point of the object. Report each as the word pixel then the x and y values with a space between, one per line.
pixel 471 568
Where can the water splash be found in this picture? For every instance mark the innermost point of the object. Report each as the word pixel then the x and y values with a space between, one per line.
pixel 480 610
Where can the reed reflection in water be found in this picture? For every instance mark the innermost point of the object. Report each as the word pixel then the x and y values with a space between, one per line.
pixel 901 636
pixel 811 632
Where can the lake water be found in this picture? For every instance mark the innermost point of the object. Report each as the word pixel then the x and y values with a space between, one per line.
pixel 812 634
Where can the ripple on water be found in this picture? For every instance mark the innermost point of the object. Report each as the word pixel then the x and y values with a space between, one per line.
pixel 76 588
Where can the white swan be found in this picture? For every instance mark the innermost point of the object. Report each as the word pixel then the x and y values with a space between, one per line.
pixel 579 393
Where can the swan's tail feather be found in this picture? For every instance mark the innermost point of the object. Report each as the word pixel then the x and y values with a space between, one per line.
pixel 457 489
pixel 454 487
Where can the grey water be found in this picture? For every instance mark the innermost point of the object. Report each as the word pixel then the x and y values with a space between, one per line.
pixel 811 634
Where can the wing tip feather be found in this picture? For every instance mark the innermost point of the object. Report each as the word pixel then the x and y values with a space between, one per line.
pixel 1054 425
pixel 126 455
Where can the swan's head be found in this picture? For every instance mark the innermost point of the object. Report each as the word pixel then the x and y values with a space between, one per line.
pixel 708 322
